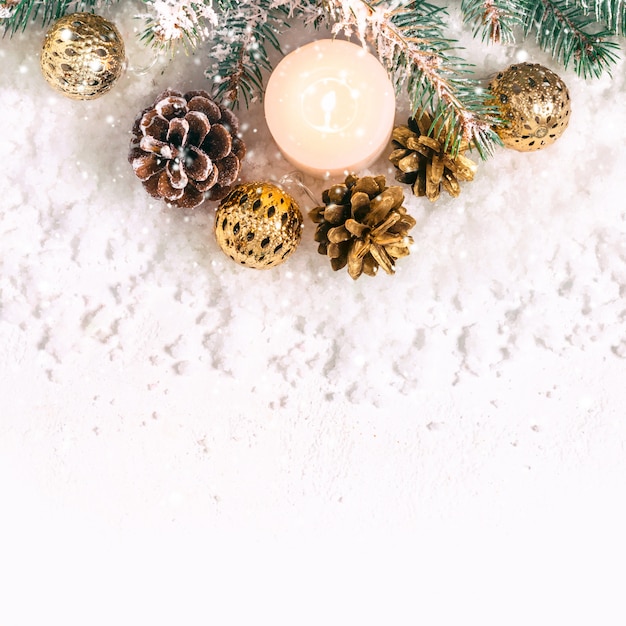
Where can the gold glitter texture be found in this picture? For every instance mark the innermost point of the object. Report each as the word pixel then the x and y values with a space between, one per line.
pixel 258 225
pixel 534 103
pixel 83 55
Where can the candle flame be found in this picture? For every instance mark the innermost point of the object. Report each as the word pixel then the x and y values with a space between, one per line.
pixel 329 101
pixel 328 104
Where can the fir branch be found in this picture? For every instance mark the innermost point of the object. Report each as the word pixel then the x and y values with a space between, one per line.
pixel 239 49
pixel 570 34
pixel 411 45
pixel 23 12
pixel 495 20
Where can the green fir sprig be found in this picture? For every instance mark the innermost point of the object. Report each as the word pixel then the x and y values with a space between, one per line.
pixel 495 20
pixel 240 51
pixel 575 32
pixel 573 36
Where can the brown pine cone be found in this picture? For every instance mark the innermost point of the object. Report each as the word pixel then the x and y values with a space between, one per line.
pixel 364 225
pixel 185 148
pixel 426 163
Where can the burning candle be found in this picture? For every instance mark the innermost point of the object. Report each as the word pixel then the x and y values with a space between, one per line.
pixel 330 107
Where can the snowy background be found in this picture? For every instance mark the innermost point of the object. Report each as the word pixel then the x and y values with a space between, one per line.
pixel 186 441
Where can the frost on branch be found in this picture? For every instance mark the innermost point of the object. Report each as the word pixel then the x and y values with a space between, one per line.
pixel 6 8
pixel 240 49
pixel 175 20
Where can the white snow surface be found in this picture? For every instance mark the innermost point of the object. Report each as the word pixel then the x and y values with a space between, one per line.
pixel 187 441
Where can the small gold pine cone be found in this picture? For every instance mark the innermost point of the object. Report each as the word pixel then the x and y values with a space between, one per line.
pixel 363 225
pixel 426 163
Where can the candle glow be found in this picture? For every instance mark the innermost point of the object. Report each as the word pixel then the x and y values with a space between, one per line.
pixel 330 107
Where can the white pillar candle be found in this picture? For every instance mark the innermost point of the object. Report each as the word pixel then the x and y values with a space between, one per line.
pixel 330 107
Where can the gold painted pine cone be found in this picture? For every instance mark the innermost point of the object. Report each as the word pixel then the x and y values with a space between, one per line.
pixel 363 225
pixel 426 163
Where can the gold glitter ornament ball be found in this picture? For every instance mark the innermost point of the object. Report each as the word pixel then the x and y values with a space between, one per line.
pixel 534 102
pixel 258 225
pixel 83 55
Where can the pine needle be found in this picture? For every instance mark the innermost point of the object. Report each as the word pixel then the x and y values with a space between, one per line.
pixel 613 13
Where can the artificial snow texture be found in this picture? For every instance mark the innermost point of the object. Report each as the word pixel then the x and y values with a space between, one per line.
pixel 187 441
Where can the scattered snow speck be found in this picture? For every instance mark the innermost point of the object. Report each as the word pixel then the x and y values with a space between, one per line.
pixel 521 55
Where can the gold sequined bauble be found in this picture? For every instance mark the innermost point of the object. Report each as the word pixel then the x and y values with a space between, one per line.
pixel 258 225
pixel 534 104
pixel 83 55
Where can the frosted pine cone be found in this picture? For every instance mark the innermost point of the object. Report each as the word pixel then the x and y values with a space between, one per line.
pixel 185 148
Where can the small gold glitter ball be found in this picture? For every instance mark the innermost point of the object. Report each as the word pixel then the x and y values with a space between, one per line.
pixel 83 55
pixel 534 102
pixel 258 225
